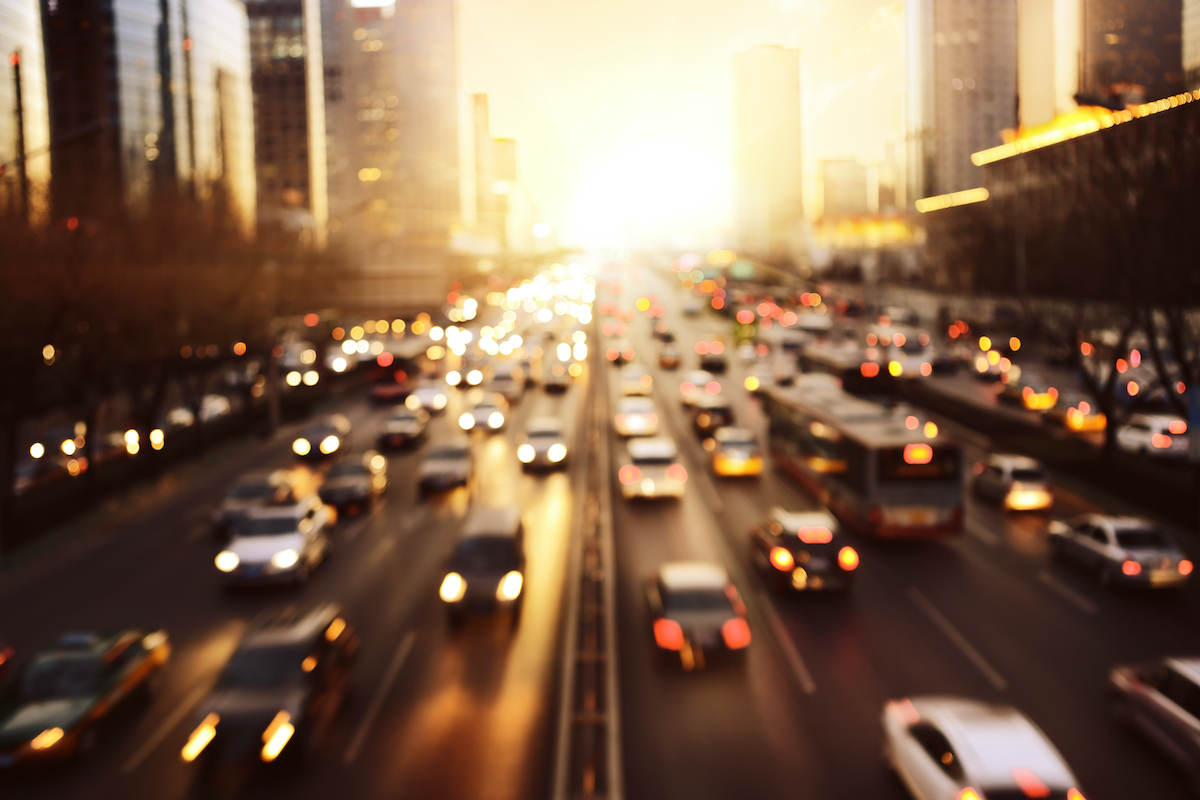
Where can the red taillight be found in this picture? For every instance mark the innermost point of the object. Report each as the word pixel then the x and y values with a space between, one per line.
pixel 848 558
pixel 1075 794
pixel 677 473
pixel 1177 427
pixel 716 348
pixel 629 474
pixel 702 348
pixel 1029 783
pixel 917 454
pixel 736 633
pixel 667 634
pixel 712 387
pixel 875 515
pixel 1160 440
pixel 817 535
pixel 1027 392
pixel 687 387
pixel 1131 568
pixel 870 369
pixel 628 354
pixel 612 354
pixel 1185 567
pixel 781 559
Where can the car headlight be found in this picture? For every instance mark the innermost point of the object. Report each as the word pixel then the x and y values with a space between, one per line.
pixel 556 453
pixel 439 401
pixel 453 587
pixel 412 402
pixel 526 453
pixel 474 377
pixel 276 736
pixel 495 419
pixel 285 559
pixel 466 422
pixel 510 586
pixel 301 447
pixel 205 732
pixel 453 377
pixel 46 739
pixel 329 444
pixel 227 561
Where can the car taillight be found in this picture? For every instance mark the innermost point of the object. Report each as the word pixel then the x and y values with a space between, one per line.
pixel 1131 568
pixel 869 369
pixel 875 515
pixel 667 634
pixel 677 473
pixel 687 387
pixel 1177 427
pixel 651 419
pixel 1185 567
pixel 629 474
pixel 621 419
pixel 1075 794
pixel 781 559
pixel 612 354
pixel 712 387
pixel 1160 440
pixel 627 354
pixel 736 633
pixel 848 558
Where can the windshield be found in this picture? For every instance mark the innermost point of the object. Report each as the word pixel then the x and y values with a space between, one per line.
pixel 1029 475
pixel 267 526
pixel 347 468
pixel 1144 539
pixel 251 491
pixel 263 667
pixel 61 677
pixel 675 600
pixel 486 554
pixel 448 454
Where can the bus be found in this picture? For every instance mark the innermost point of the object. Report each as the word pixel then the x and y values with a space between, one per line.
pixel 866 464
pixel 847 360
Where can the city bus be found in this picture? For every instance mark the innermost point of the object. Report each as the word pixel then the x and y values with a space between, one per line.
pixel 866 464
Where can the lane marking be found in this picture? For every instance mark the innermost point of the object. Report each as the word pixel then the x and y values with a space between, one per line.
pixel 790 651
pixel 389 677
pixel 983 534
pixel 164 730
pixel 957 639
pixel 1072 596
pixel 608 555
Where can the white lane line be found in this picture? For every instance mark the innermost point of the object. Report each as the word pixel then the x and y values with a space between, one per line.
pixel 389 677
pixel 608 556
pixel 982 534
pixel 1067 593
pixel 164 730
pixel 957 639
pixel 790 652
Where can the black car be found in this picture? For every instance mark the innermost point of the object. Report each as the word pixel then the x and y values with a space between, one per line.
pixel 486 572
pixel 355 482
pixel 282 686
pixel 403 427
pixel 802 550
pixel 711 412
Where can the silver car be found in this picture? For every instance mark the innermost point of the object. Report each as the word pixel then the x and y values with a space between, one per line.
pixel 448 464
pixel 543 445
pixel 278 544
pixel 487 412
pixel 1016 483
pixel 651 469
pixel 1124 551
pixel 251 491
pixel 1161 700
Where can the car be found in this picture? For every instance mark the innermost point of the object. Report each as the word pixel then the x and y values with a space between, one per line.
pixel 252 490
pixel 556 378
pixel 636 380
pixel 760 377
pixel 1163 435
pixel 802 551
pixel 322 437
pixel 951 748
pixel 711 350
pixel 747 353
pixel 427 396
pixel 52 709
pixel 486 412
pixel 710 413
pixel 280 690
pixel 403 427
pixel 697 383
pixel 1076 412
pixel 650 468
pixel 543 445
pixel 355 482
pixel 636 416
pixel 662 331
pixel 486 571
pixel 735 451
pixel 619 352
pixel 279 544
pixel 389 386
pixel 692 307
pixel 1032 391
pixel 669 357
pixel 1016 483
pixel 696 613
pixel 508 380
pixel 448 463
pixel 1161 701
pixel 1124 551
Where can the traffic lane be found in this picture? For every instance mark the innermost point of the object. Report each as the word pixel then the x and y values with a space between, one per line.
pixel 471 716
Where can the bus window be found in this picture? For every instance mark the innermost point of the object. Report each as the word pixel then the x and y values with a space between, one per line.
pixel 821 446
pixel 942 465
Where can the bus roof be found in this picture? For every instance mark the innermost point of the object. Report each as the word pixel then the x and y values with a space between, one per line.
pixel 868 423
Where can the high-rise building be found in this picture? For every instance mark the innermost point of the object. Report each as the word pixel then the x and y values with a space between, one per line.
pixel 149 100
pixel 289 119
pixel 489 187
pixel 962 89
pixel 1132 50
pixel 767 140
pixel 1048 53
pixel 24 125
pixel 844 188
pixel 1191 44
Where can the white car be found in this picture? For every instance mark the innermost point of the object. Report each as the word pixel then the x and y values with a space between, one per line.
pixel 636 380
pixel 1121 551
pixel 636 416
pixel 428 396
pixel 278 544
pixel 651 469
pixel 544 445
pixel 487 412
pixel 1155 435
pixel 950 748
pixel 696 383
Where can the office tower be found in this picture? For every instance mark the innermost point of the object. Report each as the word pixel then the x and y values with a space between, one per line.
pixel 1191 44
pixel 962 89
pixel 844 188
pixel 289 119
pixel 1132 50
pixel 767 139
pixel 24 125
pixel 489 188
pixel 1048 53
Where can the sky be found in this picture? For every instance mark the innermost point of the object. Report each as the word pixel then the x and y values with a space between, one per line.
pixel 623 109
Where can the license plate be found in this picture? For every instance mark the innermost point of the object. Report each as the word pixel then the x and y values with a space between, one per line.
pixel 1160 576
pixel 818 564
pixel 252 569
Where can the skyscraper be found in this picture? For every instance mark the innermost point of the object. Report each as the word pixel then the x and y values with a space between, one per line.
pixel 843 188
pixel 961 61
pixel 489 193
pixel 767 140
pixel 24 184
pixel 289 118
pixel 1191 44
pixel 1048 50
pixel 1132 49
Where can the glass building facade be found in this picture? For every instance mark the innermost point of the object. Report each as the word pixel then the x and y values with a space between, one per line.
pixel 24 192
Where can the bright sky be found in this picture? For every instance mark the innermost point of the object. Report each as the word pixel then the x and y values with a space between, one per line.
pixel 623 109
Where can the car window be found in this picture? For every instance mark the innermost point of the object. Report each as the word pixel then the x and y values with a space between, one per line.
pixel 1099 535
pixel 487 554
pixel 1145 539
pixel 347 468
pixel 61 677
pixel 675 600
pixel 448 453
pixel 935 743
pixel 264 667
pixel 267 526
pixel 1027 474
pixel 1182 692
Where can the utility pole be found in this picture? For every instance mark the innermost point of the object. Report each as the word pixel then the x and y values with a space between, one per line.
pixel 19 110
